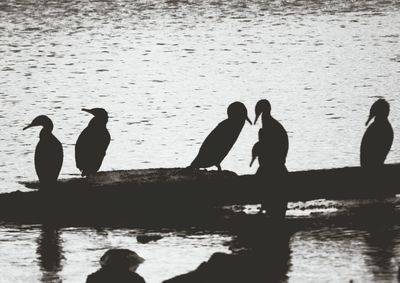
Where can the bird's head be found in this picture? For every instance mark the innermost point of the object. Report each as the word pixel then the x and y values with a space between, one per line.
pixel 379 109
pixel 262 106
pixel 99 113
pixel 238 111
pixel 43 121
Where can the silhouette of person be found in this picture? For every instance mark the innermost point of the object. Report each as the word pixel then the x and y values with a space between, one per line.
pixel 119 266
pixel 49 152
pixel 378 137
pixel 271 149
pixel 220 141
pixel 92 143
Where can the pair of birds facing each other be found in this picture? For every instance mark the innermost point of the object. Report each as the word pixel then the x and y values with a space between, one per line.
pixel 90 147
pixel 273 144
pixel 220 141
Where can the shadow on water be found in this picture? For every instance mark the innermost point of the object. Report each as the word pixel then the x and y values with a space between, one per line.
pixel 381 241
pixel 262 248
pixel 50 254
pixel 259 254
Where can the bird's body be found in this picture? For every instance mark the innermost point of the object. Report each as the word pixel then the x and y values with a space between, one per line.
pixel 273 142
pixel 49 152
pixel 255 152
pixel 92 144
pixel 217 144
pixel 220 141
pixel 273 146
pixel 378 137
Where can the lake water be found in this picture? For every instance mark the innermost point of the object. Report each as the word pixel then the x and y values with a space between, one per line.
pixel 166 71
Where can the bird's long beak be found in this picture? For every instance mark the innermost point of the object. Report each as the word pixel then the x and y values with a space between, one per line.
pixel 369 119
pixel 255 120
pixel 87 110
pixel 248 120
pixel 27 127
pixel 252 160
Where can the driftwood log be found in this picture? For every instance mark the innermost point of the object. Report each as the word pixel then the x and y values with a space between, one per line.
pixel 154 195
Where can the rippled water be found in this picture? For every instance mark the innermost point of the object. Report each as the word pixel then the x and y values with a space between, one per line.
pixel 166 71
pixel 70 254
pixel 348 240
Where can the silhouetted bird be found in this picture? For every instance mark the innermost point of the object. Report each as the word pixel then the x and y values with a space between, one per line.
pixel 273 141
pixel 119 266
pixel 220 141
pixel 49 152
pixel 378 138
pixel 92 143
pixel 255 152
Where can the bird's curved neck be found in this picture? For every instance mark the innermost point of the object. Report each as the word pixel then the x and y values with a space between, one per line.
pixel 46 131
pixel 266 117
pixel 97 122
pixel 266 114
pixel 381 119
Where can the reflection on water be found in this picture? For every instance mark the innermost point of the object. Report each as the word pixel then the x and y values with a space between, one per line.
pixel 382 243
pixel 47 254
pixel 359 242
pixel 50 253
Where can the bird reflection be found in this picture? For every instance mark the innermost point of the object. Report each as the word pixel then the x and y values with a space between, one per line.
pixel 261 253
pixel 381 240
pixel 50 254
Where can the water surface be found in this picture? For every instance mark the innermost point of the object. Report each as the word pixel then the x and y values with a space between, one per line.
pixel 166 71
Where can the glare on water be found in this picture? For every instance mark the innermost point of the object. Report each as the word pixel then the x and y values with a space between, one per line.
pixel 166 71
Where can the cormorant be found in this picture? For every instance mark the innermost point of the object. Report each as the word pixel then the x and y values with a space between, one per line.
pixel 272 150
pixel 274 141
pixel 220 141
pixel 256 148
pixel 255 152
pixel 378 138
pixel 49 152
pixel 92 143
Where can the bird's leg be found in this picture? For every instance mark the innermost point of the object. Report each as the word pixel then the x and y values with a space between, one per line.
pixel 219 167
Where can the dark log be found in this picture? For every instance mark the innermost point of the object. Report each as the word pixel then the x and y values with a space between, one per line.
pixel 138 196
